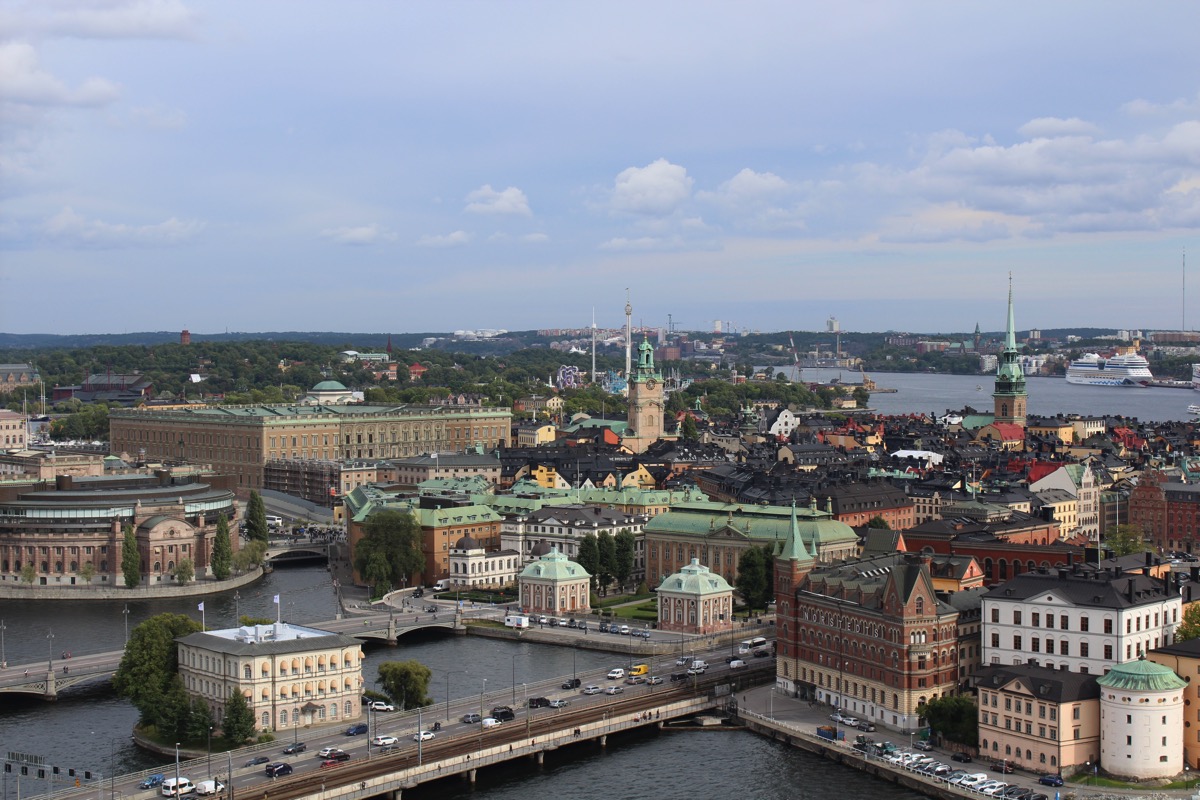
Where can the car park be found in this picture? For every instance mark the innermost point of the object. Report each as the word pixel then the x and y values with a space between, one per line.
pixel 471 718
pixel 295 747
pixel 994 789
pixel 557 703
pixel 1015 792
pixel 278 769
pixel 974 781
pixel 952 774
pixel 422 736
pixel 151 781
pixel 592 689
pixel 1051 780
pixel 383 740
pixel 961 758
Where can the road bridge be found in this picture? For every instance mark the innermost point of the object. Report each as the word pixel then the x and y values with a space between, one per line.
pixel 461 750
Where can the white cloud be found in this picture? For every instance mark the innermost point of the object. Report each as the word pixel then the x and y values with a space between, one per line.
pixel 535 238
pixel 359 235
pixel 105 19
pixel 445 240
pixel 486 200
pixel 947 222
pixel 1052 127
pixel 158 117
pixel 74 229
pixel 657 189
pixel 23 81
pixel 753 186
pixel 1148 108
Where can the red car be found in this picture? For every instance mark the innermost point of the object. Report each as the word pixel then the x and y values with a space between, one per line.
pixel 335 759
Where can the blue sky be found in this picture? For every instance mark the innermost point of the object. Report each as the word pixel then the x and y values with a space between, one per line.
pixel 409 166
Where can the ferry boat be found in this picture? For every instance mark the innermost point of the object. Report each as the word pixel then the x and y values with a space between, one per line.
pixel 1125 369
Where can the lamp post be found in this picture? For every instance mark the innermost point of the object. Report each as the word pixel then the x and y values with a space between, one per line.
pixel 125 613
pixel 112 767
pixel 482 692
pixel 177 769
pixel 237 609
pixel 209 748
pixel 50 651
pixel 514 678
pixel 3 657
pixel 448 674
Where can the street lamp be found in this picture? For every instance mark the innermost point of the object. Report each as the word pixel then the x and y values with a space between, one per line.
pixel 482 692
pixel 237 609
pixel 3 658
pixel 125 613
pixel 210 752
pixel 448 674
pixel 50 651
pixel 514 678
pixel 177 768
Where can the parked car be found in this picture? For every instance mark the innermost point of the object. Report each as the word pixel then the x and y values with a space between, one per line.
pixel 383 740
pixel 573 683
pixel 254 762
pixel 836 716
pixel 278 769
pixel 850 722
pixel 471 719
pixel 923 745
pixel 296 747
pixel 379 705
pixel 422 736
pixel 869 727
pixel 961 758
pixel 357 730
pixel 1051 780
pixel 1003 767
pixel 151 781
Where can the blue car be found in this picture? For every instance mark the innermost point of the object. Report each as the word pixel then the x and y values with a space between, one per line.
pixel 151 781
pixel 357 730
pixel 1051 780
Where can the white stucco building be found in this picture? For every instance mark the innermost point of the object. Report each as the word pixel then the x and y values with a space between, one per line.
pixel 472 565
pixel 1141 721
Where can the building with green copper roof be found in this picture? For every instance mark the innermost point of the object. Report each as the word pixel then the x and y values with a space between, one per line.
pixel 1141 720
pixel 695 600
pixel 1141 676
pixel 554 585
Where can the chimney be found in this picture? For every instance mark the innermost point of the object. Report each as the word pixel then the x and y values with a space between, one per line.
pixel 1062 574
pixel 1129 589
pixel 1149 559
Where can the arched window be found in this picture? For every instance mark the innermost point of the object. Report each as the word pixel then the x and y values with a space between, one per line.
pixel 266 720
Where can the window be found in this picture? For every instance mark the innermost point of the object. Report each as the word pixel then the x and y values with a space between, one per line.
pixel 1108 626
pixel 1017 617
pixel 1035 619
pixel 1083 649
pixel 1108 652
pixel 995 614
pixel 1083 623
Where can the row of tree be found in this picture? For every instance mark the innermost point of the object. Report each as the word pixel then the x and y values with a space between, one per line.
pixel 607 558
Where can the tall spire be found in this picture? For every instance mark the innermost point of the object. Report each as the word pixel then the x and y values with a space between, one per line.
pixel 793 545
pixel 1010 336
pixel 1010 397
pixel 628 335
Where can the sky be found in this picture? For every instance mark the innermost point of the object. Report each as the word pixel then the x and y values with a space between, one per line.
pixel 382 166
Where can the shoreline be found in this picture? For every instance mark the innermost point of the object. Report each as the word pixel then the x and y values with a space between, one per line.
pixel 120 592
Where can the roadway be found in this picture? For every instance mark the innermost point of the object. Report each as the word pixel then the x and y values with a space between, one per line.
pixel 455 738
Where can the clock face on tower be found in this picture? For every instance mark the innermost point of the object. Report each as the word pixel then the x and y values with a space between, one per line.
pixel 651 383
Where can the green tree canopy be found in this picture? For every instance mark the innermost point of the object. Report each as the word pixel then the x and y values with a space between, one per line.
pixel 392 539
pixel 1125 539
pixel 406 683
pixel 687 428
pixel 222 554
pixel 878 522
pixel 238 725
pixel 185 570
pixel 754 578
pixel 131 559
pixel 588 556
pixel 1189 626
pixel 256 518
pixel 607 565
pixel 955 718
pixel 624 545
pixel 150 662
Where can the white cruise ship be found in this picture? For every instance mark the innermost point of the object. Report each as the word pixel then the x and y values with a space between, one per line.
pixel 1126 369
pixel 1196 376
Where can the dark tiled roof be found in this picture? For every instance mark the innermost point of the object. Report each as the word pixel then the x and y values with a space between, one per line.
pixel 1052 685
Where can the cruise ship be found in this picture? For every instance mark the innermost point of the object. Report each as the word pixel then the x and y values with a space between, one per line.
pixel 1125 369
pixel 1196 376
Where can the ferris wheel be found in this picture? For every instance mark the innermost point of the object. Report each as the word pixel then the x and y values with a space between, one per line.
pixel 569 377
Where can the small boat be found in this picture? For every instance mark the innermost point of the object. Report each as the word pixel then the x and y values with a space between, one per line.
pixel 1194 409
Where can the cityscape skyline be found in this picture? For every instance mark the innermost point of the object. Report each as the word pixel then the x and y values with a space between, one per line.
pixel 407 167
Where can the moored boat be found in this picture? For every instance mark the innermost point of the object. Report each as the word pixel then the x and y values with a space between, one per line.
pixel 1124 369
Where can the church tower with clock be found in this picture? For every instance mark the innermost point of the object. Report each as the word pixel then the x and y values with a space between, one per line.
pixel 646 406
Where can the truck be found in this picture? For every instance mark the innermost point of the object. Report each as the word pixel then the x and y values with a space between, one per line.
pixel 831 733
pixel 516 621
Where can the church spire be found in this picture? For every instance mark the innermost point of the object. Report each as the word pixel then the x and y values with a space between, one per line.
pixel 1010 397
pixel 793 545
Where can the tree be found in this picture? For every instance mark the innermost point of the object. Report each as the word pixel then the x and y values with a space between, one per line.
pixel 131 559
pixel 1125 539
pixel 174 711
pixel 199 720
pixel 607 566
pixel 1189 626
pixel 222 553
pixel 392 538
pixel 954 717
pixel 878 522
pixel 406 683
pixel 256 518
pixel 588 556
pixel 247 620
pixel 150 662
pixel 87 571
pixel 687 428
pixel 238 724
pixel 752 582
pixel 250 555
pixel 185 570
pixel 28 573
pixel 624 546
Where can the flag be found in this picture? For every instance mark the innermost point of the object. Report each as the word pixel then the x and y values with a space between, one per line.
pixel 200 607
pixel 276 599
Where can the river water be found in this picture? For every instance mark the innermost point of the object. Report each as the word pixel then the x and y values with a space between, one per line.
pixel 921 393
pixel 89 728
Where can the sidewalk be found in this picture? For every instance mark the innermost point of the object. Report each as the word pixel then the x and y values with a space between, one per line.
pixel 789 711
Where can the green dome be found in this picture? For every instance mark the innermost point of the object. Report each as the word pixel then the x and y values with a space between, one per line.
pixel 1141 676
pixel 695 579
pixel 329 386
pixel 554 566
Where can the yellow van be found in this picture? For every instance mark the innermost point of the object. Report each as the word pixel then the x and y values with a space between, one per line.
pixel 639 669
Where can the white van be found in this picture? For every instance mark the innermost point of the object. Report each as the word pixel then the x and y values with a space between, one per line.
pixel 737 663
pixel 616 673
pixel 442 585
pixel 171 789
pixel 274 522
pixel 209 787
pixel 516 621
pixel 490 722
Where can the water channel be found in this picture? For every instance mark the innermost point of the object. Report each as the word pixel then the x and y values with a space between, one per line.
pixel 89 728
